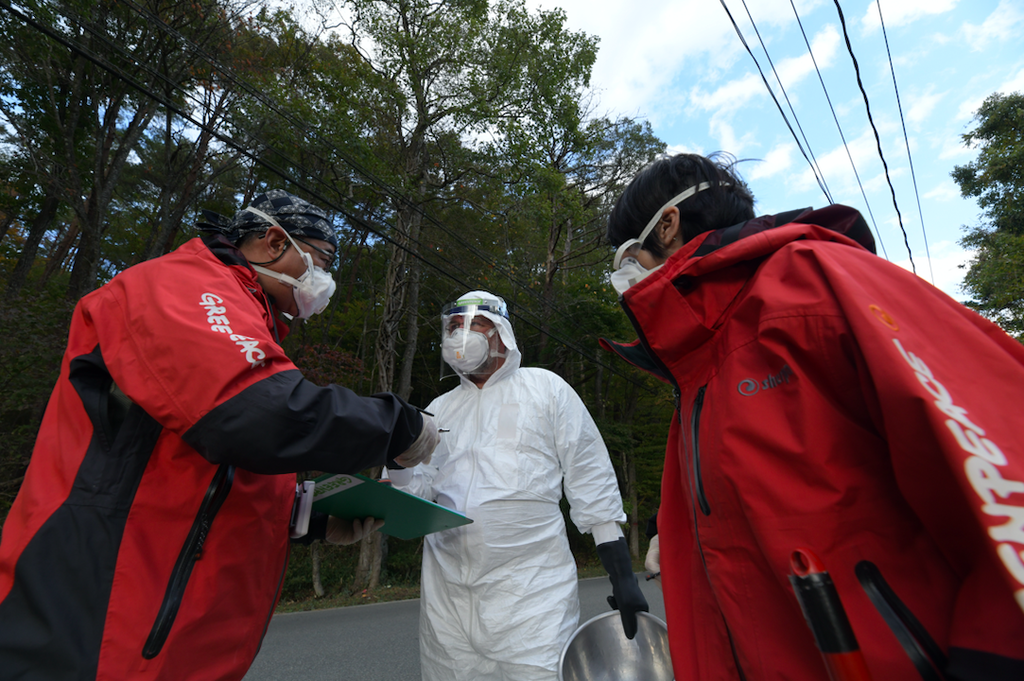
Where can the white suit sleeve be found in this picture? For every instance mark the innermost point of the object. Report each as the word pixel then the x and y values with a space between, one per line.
pixel 589 478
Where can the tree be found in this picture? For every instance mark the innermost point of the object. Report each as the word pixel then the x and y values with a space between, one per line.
pixel 995 277
pixel 84 95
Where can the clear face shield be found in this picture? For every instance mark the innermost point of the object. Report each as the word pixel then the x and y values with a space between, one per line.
pixel 469 339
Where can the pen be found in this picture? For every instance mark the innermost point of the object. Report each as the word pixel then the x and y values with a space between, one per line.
pixel 653 575
pixel 424 411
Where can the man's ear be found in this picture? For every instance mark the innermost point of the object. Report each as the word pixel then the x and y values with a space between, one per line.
pixel 275 241
pixel 668 228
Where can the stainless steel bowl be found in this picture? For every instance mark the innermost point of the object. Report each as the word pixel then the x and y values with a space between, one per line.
pixel 600 651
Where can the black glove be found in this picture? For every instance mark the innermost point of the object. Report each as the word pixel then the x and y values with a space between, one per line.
pixel 626 595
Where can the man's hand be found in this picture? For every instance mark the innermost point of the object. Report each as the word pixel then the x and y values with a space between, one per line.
pixel 341 531
pixel 626 595
pixel 653 560
pixel 423 447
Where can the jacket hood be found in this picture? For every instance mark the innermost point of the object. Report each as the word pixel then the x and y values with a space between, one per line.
pixel 729 257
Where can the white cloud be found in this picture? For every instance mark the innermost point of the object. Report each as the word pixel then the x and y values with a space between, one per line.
pixel 922 106
pixel 1000 25
pixel 777 161
pixel 902 12
pixel 724 133
pixel 824 46
pixel 643 49
pixel 954 148
pixel 969 106
pixel 1015 84
pixel 944 266
pixel 947 190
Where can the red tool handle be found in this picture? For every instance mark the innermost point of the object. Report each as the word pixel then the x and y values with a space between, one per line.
pixel 826 617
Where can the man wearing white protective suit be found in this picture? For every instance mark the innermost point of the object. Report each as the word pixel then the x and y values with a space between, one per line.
pixel 498 599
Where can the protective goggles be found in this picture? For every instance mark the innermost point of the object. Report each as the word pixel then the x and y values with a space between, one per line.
pixel 470 306
pixel 330 257
pixel 630 248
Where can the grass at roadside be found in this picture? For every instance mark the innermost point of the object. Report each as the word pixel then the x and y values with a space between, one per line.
pixel 388 592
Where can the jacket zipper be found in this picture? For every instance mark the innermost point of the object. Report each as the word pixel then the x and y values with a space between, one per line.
pixel 698 406
pixel 191 551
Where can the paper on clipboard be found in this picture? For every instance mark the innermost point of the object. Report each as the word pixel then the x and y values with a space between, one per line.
pixel 405 516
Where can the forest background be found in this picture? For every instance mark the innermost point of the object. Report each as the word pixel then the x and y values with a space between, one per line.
pixel 457 146
pixel 454 144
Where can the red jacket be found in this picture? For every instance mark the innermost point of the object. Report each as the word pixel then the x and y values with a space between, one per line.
pixel 830 400
pixel 150 536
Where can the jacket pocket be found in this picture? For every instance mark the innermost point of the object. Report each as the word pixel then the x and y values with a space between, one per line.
pixel 915 640
pixel 191 551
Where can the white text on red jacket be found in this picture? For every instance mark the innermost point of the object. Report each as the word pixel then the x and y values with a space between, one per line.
pixel 218 321
pixel 982 470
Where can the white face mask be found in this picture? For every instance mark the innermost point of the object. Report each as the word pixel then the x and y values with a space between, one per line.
pixel 312 291
pixel 630 272
pixel 466 351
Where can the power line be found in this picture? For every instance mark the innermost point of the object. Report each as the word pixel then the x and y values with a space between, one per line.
pixel 878 141
pixel 846 146
pixel 906 138
pixel 743 40
pixel 356 220
pixel 788 103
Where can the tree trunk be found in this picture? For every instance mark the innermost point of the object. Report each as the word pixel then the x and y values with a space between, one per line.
pixel 28 252
pixel 314 556
pixel 368 568
pixel 5 226
pixel 60 253
pixel 412 328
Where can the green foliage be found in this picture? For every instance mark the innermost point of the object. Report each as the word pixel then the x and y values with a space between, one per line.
pixel 35 330
pixel 995 278
pixel 338 568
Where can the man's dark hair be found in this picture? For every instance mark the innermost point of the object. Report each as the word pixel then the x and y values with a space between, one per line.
pixel 727 202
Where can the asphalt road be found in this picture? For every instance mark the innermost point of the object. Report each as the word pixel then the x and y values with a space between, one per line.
pixel 378 642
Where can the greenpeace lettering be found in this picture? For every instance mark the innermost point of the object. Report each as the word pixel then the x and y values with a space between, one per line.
pixel 217 319
pixel 982 471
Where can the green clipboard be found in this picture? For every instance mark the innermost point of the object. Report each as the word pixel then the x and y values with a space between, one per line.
pixel 405 515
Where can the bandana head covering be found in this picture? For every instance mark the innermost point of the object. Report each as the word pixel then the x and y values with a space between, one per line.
pixel 294 215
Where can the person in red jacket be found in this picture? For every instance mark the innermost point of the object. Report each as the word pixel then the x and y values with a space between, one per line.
pixel 831 402
pixel 150 536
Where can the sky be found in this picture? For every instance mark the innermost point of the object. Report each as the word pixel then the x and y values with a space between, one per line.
pixel 680 65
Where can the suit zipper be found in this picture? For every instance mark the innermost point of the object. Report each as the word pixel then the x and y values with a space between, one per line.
pixel 191 551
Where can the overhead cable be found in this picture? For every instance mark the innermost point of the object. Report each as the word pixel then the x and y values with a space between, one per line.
pixel 878 140
pixel 846 146
pixel 743 40
pixel 906 139
pixel 778 79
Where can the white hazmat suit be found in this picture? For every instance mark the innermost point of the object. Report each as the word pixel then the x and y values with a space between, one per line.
pixel 498 596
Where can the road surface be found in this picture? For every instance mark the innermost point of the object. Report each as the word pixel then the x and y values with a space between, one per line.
pixel 377 642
